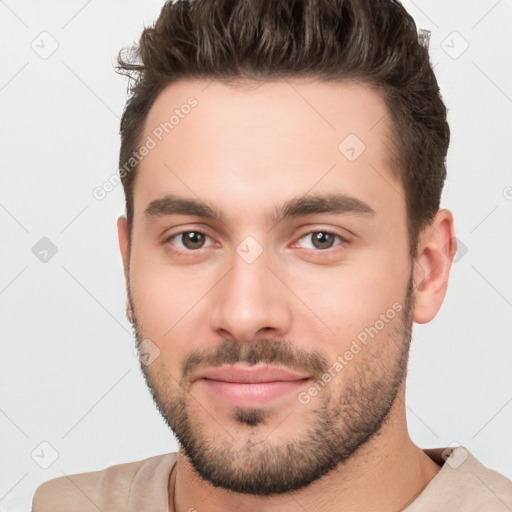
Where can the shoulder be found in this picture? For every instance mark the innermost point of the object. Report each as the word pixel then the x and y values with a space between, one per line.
pixel 464 483
pixel 493 489
pixel 107 490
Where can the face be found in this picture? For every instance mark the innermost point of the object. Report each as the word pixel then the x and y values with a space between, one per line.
pixel 269 276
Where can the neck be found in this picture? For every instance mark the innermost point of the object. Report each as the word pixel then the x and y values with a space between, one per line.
pixel 394 470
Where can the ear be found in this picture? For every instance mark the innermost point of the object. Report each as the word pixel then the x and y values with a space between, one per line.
pixel 123 236
pixel 124 243
pixel 436 249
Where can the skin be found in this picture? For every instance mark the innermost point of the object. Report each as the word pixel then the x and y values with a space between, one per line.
pixel 245 151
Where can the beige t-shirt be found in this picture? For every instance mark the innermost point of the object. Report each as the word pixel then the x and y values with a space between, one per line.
pixel 463 484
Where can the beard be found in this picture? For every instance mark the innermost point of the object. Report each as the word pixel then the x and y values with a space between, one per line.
pixel 339 423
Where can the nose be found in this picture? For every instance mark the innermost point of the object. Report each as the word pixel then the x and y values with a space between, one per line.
pixel 250 302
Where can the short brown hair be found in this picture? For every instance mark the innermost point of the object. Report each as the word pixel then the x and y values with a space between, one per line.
pixel 234 41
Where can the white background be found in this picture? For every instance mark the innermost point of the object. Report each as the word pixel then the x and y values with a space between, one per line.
pixel 67 369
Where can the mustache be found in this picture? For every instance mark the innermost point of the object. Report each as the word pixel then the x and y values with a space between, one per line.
pixel 264 350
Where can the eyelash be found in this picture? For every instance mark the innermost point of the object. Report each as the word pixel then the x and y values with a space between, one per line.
pixel 342 239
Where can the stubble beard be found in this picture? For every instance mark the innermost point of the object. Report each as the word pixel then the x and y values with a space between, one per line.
pixel 338 425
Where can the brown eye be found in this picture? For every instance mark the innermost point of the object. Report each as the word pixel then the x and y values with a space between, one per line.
pixel 320 240
pixel 192 239
pixel 323 240
pixel 187 241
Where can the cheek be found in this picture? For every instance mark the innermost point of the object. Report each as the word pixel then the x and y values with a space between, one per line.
pixel 354 297
pixel 170 305
pixel 163 293
pixel 367 327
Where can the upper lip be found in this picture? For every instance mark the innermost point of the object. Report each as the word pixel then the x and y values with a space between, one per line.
pixel 250 374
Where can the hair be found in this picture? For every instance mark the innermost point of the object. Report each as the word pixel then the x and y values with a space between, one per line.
pixel 374 42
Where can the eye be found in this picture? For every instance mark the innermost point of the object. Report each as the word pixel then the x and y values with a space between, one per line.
pixel 188 240
pixel 320 240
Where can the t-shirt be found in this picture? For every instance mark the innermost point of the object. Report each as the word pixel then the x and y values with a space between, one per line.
pixel 463 484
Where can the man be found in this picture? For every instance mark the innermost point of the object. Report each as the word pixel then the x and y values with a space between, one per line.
pixel 283 164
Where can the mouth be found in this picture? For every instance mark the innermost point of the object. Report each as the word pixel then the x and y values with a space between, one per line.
pixel 250 386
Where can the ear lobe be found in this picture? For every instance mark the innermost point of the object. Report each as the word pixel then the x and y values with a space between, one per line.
pixel 436 249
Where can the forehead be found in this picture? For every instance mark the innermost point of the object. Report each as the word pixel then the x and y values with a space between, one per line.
pixel 286 137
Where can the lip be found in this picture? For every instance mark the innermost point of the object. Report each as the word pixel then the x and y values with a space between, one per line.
pixel 253 386
pixel 250 374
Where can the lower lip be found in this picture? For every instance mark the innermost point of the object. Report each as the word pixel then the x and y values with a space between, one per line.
pixel 252 395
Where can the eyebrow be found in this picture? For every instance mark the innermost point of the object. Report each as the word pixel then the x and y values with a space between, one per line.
pixel 297 207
